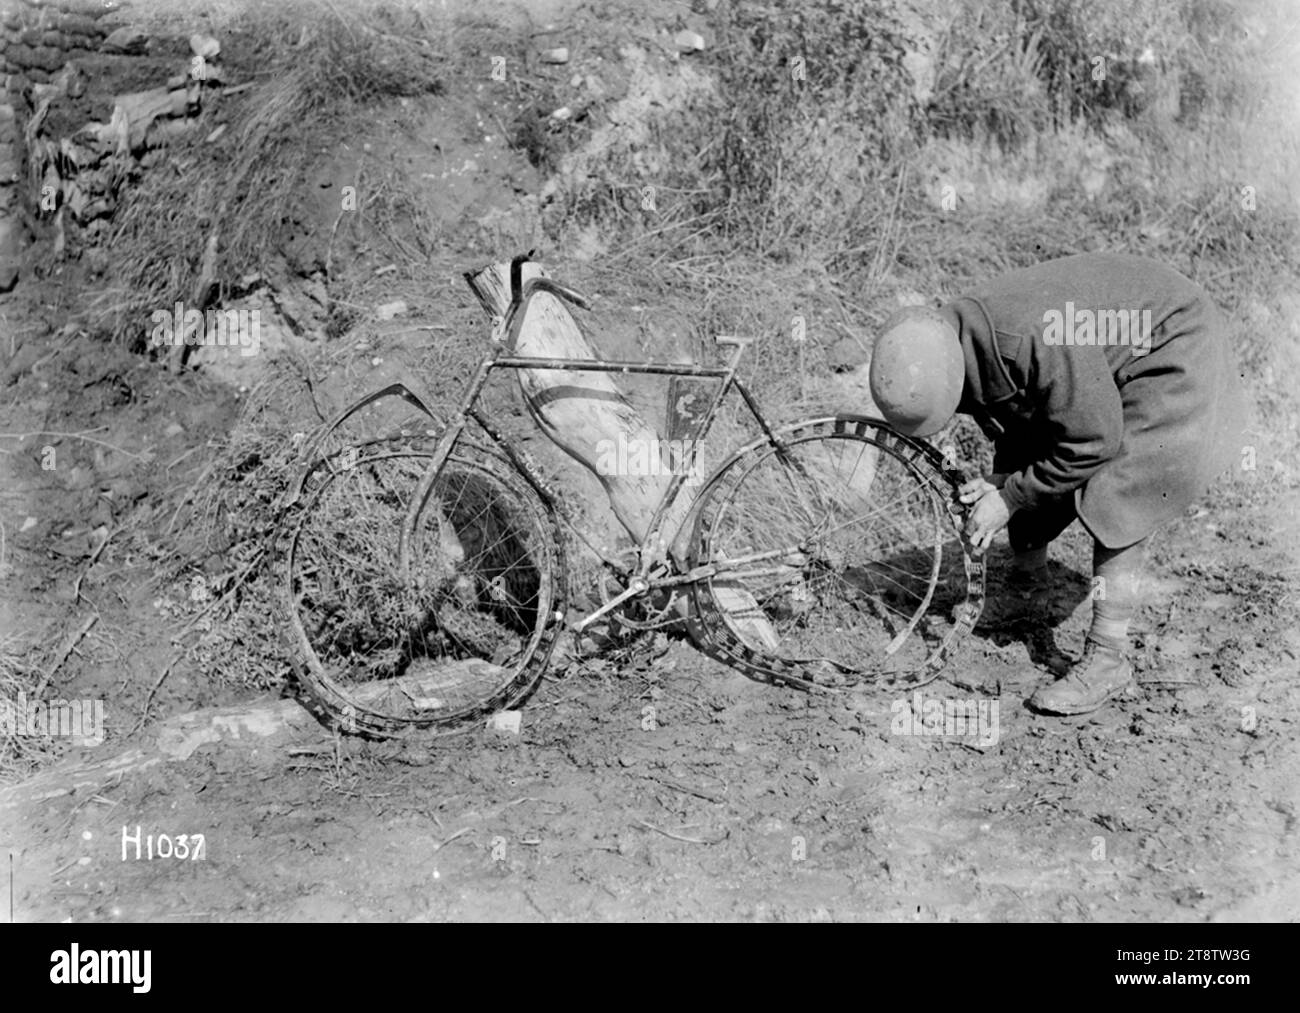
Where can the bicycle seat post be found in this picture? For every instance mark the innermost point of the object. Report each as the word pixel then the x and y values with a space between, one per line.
pixel 736 342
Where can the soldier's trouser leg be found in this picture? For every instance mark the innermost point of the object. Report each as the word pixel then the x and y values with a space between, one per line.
pixel 1116 592
pixel 1030 531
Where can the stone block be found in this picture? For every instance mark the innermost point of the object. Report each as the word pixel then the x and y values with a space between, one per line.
pixel 35 58
pixel 82 27
pixel 95 9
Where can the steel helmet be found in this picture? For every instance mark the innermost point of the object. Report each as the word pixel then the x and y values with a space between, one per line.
pixel 917 371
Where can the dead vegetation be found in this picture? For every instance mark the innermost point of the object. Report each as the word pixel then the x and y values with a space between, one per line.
pixel 20 673
pixel 782 204
pixel 313 67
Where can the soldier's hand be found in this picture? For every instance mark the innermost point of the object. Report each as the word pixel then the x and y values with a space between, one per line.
pixel 969 492
pixel 989 516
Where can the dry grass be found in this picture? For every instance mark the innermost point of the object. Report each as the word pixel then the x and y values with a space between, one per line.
pixel 314 64
pixel 232 513
pixel 20 672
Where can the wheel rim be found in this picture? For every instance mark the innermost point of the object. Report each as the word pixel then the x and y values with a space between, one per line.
pixel 882 585
pixel 473 628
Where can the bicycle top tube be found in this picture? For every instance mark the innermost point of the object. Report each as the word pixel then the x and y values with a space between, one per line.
pixel 611 366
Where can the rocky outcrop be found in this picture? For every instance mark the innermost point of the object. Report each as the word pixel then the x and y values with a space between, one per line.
pixel 38 39
pixel 67 138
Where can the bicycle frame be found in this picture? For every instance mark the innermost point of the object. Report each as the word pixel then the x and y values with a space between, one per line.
pixel 658 562
pixel 654 569
pixel 652 548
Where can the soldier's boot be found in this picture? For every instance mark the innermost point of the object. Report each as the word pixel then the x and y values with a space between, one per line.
pixel 1101 674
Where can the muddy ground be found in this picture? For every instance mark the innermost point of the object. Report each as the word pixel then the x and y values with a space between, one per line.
pixel 731 799
pixel 660 785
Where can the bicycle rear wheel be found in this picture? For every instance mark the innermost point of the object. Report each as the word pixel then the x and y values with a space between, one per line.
pixel 466 631
pixel 838 558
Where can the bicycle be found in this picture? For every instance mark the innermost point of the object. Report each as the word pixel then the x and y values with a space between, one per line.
pixel 425 569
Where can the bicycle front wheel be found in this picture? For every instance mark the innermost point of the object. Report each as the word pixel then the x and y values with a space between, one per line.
pixel 837 557
pixel 470 625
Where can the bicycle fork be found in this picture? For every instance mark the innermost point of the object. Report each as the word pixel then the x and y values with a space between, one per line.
pixel 446 441
pixel 421 493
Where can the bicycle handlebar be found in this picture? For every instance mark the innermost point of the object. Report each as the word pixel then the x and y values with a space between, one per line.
pixel 563 291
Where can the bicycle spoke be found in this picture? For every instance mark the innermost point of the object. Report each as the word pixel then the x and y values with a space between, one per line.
pixel 878 569
pixel 391 651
